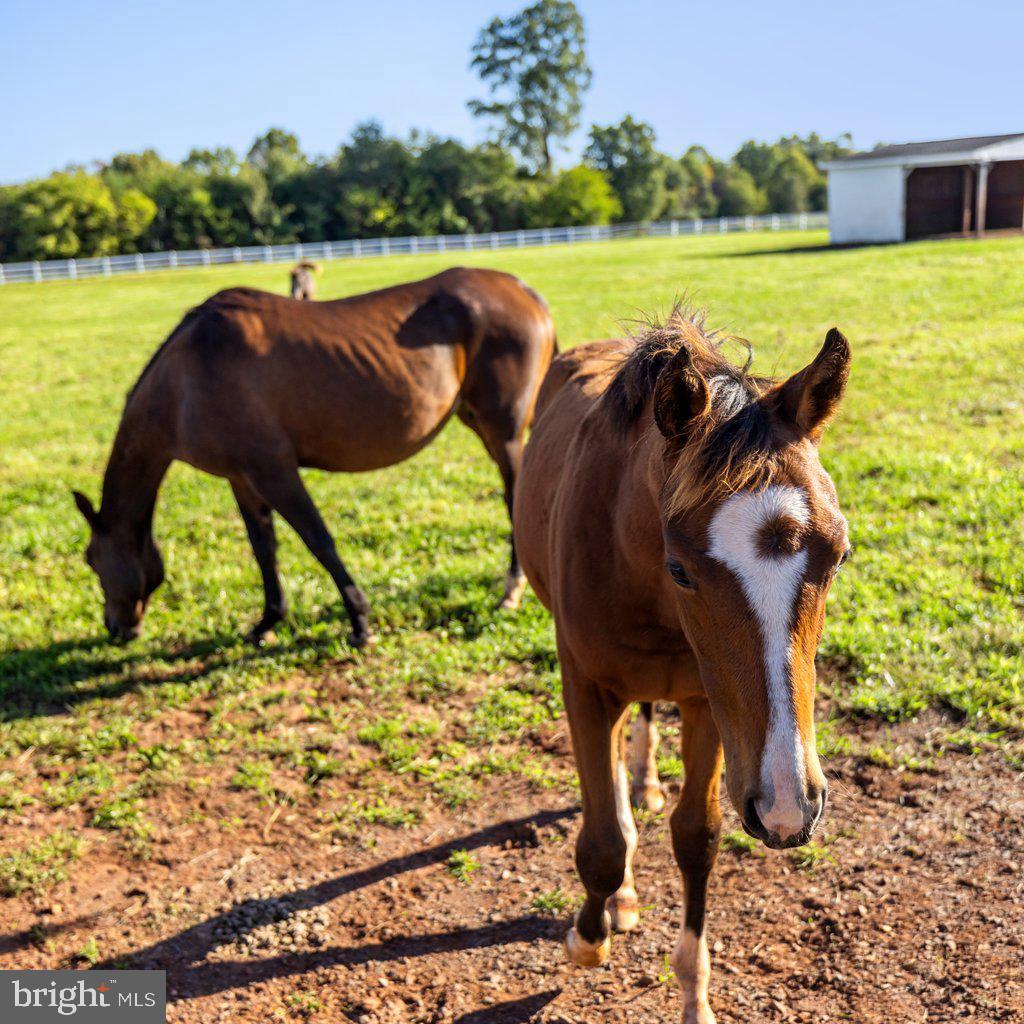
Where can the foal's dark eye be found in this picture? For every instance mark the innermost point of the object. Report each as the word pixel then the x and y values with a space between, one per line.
pixel 843 560
pixel 678 573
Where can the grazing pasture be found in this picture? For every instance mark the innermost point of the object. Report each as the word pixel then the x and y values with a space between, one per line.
pixel 308 831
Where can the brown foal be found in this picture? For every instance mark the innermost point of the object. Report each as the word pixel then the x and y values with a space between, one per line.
pixel 303 280
pixel 673 514
pixel 252 386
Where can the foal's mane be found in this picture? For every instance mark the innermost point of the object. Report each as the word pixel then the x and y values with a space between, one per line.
pixel 729 448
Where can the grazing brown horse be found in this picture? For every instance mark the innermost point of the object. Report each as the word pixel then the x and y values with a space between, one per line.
pixel 303 278
pixel 674 516
pixel 251 386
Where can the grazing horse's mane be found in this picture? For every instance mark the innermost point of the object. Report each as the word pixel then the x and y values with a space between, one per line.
pixel 731 446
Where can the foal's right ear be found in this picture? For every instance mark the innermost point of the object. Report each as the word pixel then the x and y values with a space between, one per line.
pixel 92 517
pixel 681 396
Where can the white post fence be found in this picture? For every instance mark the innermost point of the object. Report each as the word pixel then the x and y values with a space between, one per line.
pixel 355 248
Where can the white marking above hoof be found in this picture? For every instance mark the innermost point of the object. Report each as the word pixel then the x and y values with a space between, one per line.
pixel 698 1013
pixel 625 912
pixel 586 954
pixel 649 798
pixel 514 588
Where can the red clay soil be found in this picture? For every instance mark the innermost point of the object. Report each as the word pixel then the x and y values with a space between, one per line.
pixel 915 913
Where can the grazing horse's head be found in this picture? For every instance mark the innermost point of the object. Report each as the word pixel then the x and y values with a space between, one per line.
pixel 129 568
pixel 753 539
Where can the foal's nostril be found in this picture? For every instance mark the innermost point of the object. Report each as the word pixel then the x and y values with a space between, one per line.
pixel 751 819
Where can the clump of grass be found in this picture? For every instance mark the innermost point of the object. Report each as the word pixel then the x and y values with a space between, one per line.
pixel 553 902
pixel 305 1004
pixel 381 812
pixel 739 842
pixel 124 814
pixel 40 866
pixel 462 864
pixel 89 953
pixel 253 775
pixel 812 856
pixel 319 766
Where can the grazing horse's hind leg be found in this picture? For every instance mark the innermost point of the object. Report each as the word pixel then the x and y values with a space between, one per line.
pixel 259 524
pixel 646 790
pixel 504 444
pixel 282 488
pixel 696 828
pixel 602 848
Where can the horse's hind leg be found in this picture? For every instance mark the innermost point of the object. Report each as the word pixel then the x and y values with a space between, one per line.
pixel 646 791
pixel 696 828
pixel 602 848
pixel 282 488
pixel 504 444
pixel 623 904
pixel 259 524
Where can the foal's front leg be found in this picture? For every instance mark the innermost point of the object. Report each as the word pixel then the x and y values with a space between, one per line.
pixel 696 828
pixel 602 850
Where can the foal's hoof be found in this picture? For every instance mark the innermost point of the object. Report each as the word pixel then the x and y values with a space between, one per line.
pixel 515 585
pixel 698 1012
pixel 649 798
pixel 587 954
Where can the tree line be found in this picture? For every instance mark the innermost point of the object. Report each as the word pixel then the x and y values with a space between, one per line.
pixel 535 69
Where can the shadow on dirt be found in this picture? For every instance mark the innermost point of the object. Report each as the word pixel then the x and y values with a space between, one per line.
pixel 49 679
pixel 515 1011
pixel 181 955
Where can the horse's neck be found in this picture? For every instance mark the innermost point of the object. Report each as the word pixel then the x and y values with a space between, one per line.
pixel 134 472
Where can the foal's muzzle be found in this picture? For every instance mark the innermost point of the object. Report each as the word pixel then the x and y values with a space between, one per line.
pixel 814 809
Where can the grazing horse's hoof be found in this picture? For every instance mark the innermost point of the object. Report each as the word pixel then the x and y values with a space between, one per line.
pixel 625 911
pixel 515 584
pixel 261 637
pixel 362 638
pixel 649 798
pixel 588 954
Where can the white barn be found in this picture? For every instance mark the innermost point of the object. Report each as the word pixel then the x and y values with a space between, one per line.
pixel 955 186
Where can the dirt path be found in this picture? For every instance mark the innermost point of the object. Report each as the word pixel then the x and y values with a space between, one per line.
pixel 912 912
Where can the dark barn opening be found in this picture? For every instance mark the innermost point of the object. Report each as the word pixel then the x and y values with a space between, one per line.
pixel 939 201
pixel 1005 196
pixel 946 200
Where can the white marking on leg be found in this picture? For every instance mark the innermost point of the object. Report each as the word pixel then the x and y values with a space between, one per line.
pixel 643 745
pixel 771 584
pixel 692 964
pixel 515 586
pixel 623 903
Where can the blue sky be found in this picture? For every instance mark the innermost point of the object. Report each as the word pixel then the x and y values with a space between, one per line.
pixel 82 80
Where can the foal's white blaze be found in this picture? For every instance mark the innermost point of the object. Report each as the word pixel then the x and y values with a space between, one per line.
pixel 771 585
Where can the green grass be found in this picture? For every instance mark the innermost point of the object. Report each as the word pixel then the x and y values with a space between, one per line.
pixel 926 455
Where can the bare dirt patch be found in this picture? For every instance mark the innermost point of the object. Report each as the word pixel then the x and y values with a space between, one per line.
pixel 909 909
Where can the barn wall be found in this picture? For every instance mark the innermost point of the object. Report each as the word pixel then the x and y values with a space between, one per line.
pixel 865 204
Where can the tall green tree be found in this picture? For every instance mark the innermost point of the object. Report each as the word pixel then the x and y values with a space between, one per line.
pixel 636 170
pixel 535 66
pixel 277 154
pixel 580 195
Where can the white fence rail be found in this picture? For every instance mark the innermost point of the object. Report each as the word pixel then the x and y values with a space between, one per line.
pixel 355 248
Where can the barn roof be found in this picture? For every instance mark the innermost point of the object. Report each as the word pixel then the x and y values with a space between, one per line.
pixel 975 147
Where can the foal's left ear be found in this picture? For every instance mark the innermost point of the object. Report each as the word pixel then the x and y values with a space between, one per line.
pixel 810 398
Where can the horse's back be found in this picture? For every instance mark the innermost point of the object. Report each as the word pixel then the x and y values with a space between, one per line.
pixel 356 383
